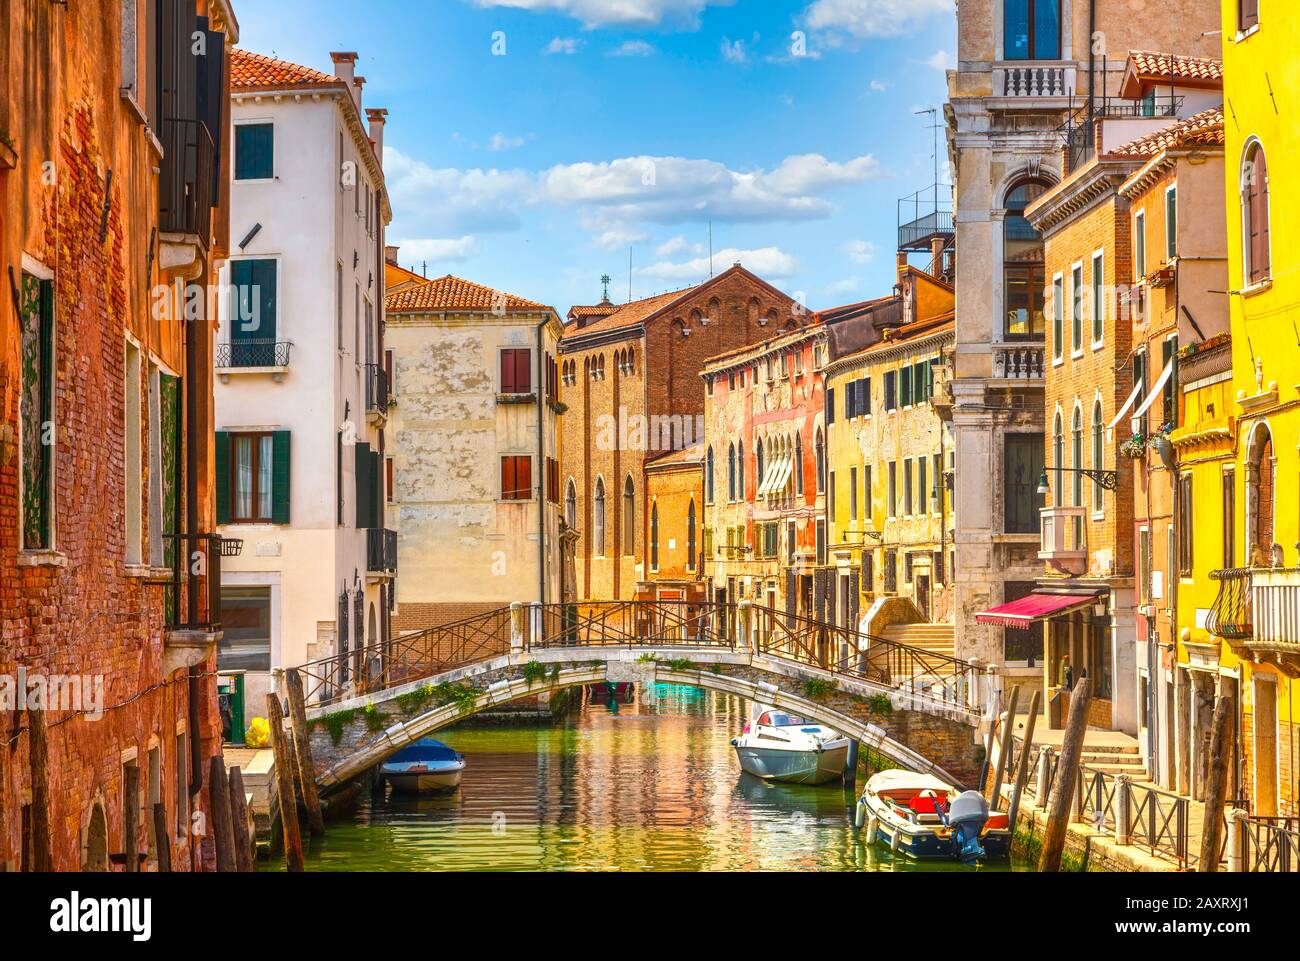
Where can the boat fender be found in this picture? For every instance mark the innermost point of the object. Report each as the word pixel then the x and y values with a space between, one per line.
pixel 894 841
pixel 859 815
pixel 873 826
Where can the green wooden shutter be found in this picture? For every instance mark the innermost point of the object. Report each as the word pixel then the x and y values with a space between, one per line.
pixel 376 489
pixel 361 471
pixel 280 477
pixel 223 477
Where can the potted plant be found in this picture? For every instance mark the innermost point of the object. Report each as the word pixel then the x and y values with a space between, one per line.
pixel 1135 447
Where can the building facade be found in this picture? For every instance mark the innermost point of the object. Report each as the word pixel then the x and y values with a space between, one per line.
pixel 473 472
pixel 765 476
pixel 675 508
pixel 109 605
pixel 888 502
pixel 1020 102
pixel 631 388
pixel 302 394
pixel 1255 614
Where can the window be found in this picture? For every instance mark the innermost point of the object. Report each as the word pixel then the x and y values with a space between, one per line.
pixel 253 330
pixel 853 493
pixel 821 541
pixel 891 572
pixel 1255 215
pixel 1169 393
pixel 571 505
pixel 922 491
pixel 1032 30
pixel 791 541
pixel 388 479
pixel 708 477
pixel 1247 14
pixel 598 519
pixel 690 537
pixel 1229 518
pixel 516 370
pixel 1077 456
pixel 906 388
pixel 798 464
pixel 1076 308
pixel 740 472
pixel 36 412
pixel 553 480
pixel 1022 463
pixel 1140 245
pixel 1098 492
pixel 731 472
pixel 251 462
pixel 338 305
pixel 891 390
pixel 908 503
pixel 1186 523
pixel 1171 223
pixel 922 382
pixel 830 495
pixel 134 468
pixel 629 516
pixel 183 783
pixel 1024 298
pixel 245 643
pixel 654 536
pixel 1021 646
pixel 1098 297
pixel 830 406
pixel 893 489
pixel 758 473
pixel 516 478
pixel 254 151
pixel 866 493
pixel 820 457
pixel 1058 317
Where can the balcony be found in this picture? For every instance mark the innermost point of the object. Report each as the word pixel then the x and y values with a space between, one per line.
pixel 377 398
pixel 1229 618
pixel 381 553
pixel 1257 611
pixel 1064 543
pixel 1023 80
pixel 186 178
pixel 193 604
pixel 253 357
pixel 924 217
pixel 1019 361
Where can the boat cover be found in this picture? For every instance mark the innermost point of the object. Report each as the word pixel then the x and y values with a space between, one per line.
pixel 424 750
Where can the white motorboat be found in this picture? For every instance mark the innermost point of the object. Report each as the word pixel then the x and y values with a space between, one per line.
pixel 923 817
pixel 778 746
pixel 427 766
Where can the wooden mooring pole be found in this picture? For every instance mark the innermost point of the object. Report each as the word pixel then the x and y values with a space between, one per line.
pixel 302 751
pixel 1067 773
pixel 162 838
pixel 41 845
pixel 1022 764
pixel 239 822
pixel 1004 754
pixel 222 834
pixel 1216 785
pixel 284 778
pixel 131 817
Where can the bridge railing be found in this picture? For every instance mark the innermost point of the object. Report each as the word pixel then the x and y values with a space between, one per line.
pixel 632 624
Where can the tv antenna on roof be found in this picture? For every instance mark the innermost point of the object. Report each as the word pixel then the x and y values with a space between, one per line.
pixel 934 112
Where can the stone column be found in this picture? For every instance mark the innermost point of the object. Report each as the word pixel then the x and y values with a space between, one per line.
pixel 1236 840
pixel 517 634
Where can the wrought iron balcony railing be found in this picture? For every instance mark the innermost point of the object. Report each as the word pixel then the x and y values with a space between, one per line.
pixel 376 389
pixel 381 551
pixel 194 601
pixel 1230 617
pixel 253 353
pixel 186 196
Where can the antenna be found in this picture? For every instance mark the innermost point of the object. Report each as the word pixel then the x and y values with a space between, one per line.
pixel 934 112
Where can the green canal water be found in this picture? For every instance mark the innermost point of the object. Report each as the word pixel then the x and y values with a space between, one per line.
pixel 646 787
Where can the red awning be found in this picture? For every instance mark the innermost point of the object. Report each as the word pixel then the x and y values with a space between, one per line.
pixel 1034 607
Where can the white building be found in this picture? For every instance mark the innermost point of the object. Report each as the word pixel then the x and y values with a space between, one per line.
pixel 301 393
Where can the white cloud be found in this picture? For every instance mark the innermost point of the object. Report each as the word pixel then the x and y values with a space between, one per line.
pixel 563 45
pixel 671 247
pixel 940 60
pixel 860 251
pixel 733 51
pixel 768 262
pixel 873 18
pixel 435 250
pixel 879 86
pixel 449 202
pixel 500 142
pixel 845 286
pixel 633 48
pixel 604 13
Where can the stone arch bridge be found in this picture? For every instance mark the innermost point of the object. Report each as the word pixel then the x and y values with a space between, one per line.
pixel 917 708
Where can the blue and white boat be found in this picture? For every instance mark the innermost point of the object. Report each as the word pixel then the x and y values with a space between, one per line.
pixel 423 768
pixel 778 746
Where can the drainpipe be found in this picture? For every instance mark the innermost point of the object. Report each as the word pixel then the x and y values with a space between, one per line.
pixel 1092 60
pixel 541 459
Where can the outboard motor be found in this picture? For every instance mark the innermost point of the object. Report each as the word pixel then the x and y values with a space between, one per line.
pixel 967 816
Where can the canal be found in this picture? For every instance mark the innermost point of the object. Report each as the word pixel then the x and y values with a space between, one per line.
pixel 643 786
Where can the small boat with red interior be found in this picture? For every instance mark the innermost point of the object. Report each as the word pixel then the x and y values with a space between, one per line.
pixel 926 818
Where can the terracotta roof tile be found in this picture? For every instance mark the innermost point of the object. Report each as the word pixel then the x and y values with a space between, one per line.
pixel 1205 129
pixel 692 456
pixel 596 310
pixel 249 69
pixel 634 312
pixel 1163 66
pixel 455 293
pixel 942 324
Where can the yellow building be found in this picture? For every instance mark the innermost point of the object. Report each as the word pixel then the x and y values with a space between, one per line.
pixel 675 542
pixel 1257 610
pixel 888 450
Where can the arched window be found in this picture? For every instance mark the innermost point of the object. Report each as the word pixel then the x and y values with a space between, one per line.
pixel 1098 492
pixel 1031 30
pixel 629 516
pixel 571 505
pixel 690 537
pixel 758 472
pixel 654 537
pixel 798 465
pixel 740 471
pixel 1077 452
pixel 819 452
pixel 731 472
pixel 708 476
pixel 1260 499
pixel 1058 460
pixel 1022 258
pixel 1255 215
pixel 598 519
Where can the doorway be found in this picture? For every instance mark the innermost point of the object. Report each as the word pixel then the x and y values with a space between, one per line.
pixel 1266 746
pixel 923 595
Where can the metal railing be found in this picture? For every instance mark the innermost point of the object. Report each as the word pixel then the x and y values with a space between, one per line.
pixel 376 389
pixel 1160 820
pixel 1230 616
pixel 1275 607
pixel 185 194
pixel 381 551
pixel 1271 844
pixel 1095 800
pixel 194 602
pixel 254 353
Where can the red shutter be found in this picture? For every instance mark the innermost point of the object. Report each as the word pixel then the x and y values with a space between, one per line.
pixel 523 476
pixel 507 371
pixel 507 478
pixel 523 372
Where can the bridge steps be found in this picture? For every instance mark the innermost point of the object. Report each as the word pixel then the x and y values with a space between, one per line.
pixel 935 638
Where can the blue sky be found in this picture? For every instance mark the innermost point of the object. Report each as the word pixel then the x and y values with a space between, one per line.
pixel 532 142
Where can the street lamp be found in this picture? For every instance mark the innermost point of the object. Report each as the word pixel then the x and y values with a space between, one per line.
pixel 1109 479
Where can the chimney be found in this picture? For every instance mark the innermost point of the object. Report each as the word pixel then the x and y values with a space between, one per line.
pixel 902 262
pixel 377 116
pixel 936 254
pixel 345 71
pixel 390 254
pixel 357 84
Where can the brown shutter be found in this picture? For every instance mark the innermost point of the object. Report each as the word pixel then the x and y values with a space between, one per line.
pixel 507 373
pixel 507 477
pixel 523 372
pixel 1261 195
pixel 524 477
